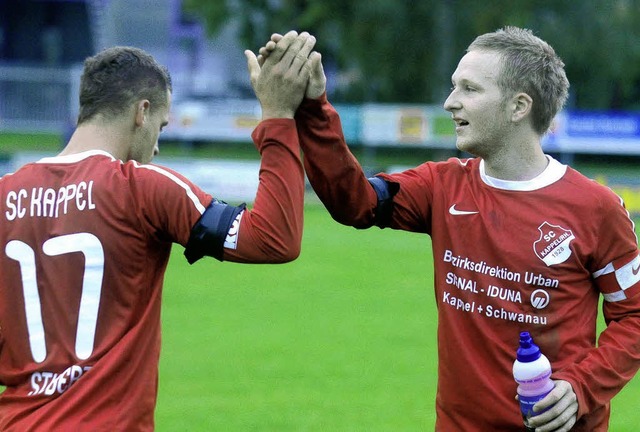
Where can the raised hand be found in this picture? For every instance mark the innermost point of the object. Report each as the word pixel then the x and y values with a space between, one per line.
pixel 280 80
pixel 317 79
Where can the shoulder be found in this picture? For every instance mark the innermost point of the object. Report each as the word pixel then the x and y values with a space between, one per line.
pixel 151 180
pixel 590 190
pixel 451 166
pixel 154 172
pixel 596 204
pixel 450 169
pixel 434 172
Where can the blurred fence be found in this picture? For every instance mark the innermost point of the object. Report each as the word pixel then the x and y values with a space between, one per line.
pixel 38 99
pixel 371 125
pixel 375 125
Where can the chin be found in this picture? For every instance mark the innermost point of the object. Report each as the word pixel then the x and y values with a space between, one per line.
pixel 467 147
pixel 462 146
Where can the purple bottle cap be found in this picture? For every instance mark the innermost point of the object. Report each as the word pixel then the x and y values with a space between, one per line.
pixel 528 351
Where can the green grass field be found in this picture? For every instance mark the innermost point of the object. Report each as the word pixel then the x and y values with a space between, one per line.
pixel 343 339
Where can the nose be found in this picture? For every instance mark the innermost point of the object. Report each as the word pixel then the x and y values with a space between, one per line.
pixel 451 103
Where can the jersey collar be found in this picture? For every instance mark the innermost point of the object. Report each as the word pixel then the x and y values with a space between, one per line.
pixel 551 174
pixel 77 157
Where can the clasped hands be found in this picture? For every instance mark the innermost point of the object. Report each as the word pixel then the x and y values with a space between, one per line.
pixel 284 72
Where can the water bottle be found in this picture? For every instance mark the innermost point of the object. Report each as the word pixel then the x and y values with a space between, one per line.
pixel 532 372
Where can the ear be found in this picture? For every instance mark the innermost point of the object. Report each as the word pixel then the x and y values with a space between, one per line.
pixel 142 111
pixel 521 106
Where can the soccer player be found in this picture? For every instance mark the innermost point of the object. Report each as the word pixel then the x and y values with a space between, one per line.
pixel 520 241
pixel 85 237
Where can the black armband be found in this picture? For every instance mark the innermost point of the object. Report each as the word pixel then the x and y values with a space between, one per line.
pixel 385 191
pixel 209 234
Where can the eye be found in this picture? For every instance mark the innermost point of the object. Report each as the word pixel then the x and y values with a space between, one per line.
pixel 469 88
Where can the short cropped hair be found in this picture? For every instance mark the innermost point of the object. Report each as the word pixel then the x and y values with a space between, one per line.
pixel 117 77
pixel 529 65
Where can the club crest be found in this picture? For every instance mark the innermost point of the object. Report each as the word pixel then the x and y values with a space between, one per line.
pixel 553 245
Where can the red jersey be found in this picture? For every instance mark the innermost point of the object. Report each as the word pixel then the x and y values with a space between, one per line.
pixel 508 257
pixel 84 244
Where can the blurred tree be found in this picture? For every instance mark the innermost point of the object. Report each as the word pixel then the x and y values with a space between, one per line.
pixel 599 41
pixel 405 51
pixel 372 48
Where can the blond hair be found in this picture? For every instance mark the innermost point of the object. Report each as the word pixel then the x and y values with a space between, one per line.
pixel 529 65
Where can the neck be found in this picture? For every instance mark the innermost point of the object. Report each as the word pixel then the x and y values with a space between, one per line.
pixel 108 138
pixel 517 161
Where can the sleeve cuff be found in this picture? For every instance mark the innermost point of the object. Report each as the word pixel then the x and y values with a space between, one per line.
pixel 280 130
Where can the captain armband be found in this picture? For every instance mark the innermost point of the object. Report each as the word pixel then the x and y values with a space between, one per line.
pixel 385 191
pixel 216 229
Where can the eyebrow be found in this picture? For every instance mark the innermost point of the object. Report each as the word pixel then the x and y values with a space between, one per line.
pixel 464 81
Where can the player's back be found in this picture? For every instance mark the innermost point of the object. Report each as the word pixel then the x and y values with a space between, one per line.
pixel 81 271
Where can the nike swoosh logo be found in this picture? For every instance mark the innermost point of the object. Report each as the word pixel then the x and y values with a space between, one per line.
pixel 457 212
pixel 635 270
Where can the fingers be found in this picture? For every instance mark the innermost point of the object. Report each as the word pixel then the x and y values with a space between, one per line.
pixel 562 412
pixel 297 52
pixel 303 55
pixel 561 390
pixel 281 47
pixel 266 50
pixel 562 423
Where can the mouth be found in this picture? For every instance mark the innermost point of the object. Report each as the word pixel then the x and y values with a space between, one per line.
pixel 460 122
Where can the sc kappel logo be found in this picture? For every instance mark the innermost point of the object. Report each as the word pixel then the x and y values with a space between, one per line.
pixel 540 299
pixel 553 245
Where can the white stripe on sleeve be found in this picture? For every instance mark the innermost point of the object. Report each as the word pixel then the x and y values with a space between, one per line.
pixel 176 180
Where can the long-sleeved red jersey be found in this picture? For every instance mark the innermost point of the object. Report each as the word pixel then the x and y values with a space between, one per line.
pixel 509 256
pixel 84 244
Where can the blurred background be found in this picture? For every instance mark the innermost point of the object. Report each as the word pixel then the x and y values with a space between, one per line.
pixel 349 340
pixel 388 64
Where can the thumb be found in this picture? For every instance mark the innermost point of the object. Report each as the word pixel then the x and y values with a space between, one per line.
pixel 317 80
pixel 252 65
pixel 317 71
